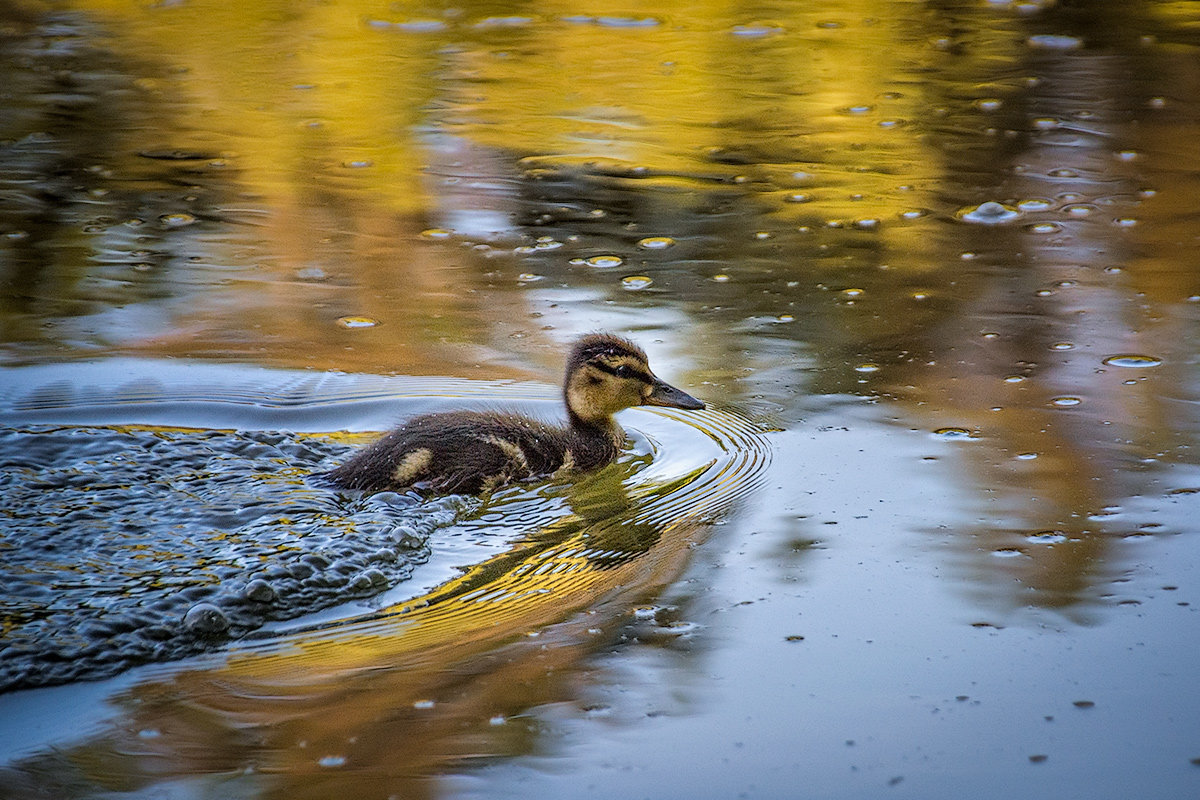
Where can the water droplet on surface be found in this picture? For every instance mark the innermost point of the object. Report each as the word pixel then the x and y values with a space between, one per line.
pixel 179 220
pixel 205 618
pixel 1007 552
pixel 989 213
pixel 756 30
pixel 1066 401
pixel 357 322
pixel 635 282
pixel 1049 41
pixel 604 262
pixel 656 243
pixel 1132 361
pixel 952 434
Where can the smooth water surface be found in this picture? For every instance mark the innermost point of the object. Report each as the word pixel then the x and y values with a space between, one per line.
pixel 932 265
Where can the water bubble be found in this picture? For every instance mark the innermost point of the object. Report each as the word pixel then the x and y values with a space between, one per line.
pixel 1132 360
pixel 1044 227
pixel 785 318
pixel 635 282
pixel 423 704
pixel 1127 155
pixel 1062 346
pixel 357 322
pixel 547 243
pixel 867 223
pixel 1025 456
pixel 656 243
pixel 1035 204
pixel 259 591
pixel 914 213
pixel 953 434
pixel 988 104
pixel 852 293
pixel 1065 401
pixel 332 762
pixel 1063 172
pixel 529 277
pixel 1080 209
pixel 205 618
pixel 1049 41
pixel 1125 222
pixel 358 163
pixel 1007 552
pixel 1046 537
pixel 989 213
pixel 867 367
pixel 436 233
pixel 721 277
pixel 798 197
pixel 756 30
pixel 179 220
pixel 604 262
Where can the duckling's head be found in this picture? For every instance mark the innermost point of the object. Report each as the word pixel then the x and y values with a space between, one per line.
pixel 606 374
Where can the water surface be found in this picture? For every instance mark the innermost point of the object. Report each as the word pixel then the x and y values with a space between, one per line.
pixel 933 266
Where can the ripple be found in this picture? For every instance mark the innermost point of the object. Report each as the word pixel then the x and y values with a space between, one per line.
pixel 1132 361
pixel 989 213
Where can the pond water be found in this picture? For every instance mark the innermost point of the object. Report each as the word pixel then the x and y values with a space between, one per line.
pixel 934 267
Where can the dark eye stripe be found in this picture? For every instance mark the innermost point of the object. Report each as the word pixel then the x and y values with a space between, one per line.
pixel 615 371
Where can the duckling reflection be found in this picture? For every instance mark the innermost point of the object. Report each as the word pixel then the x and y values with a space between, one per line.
pixel 473 452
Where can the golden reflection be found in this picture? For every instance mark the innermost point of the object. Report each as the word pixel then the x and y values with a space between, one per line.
pixel 385 703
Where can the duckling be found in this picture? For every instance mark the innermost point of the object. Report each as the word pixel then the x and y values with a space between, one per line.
pixel 474 451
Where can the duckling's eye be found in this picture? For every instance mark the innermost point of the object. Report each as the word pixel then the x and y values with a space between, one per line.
pixel 624 371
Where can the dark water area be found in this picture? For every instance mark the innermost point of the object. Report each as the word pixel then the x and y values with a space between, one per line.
pixel 932 266
pixel 130 545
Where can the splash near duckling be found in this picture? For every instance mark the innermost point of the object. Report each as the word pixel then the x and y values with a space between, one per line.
pixel 473 451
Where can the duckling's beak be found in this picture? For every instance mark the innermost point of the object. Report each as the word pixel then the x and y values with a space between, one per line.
pixel 664 394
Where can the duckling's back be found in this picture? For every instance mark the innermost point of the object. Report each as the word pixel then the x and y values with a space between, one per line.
pixel 468 452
